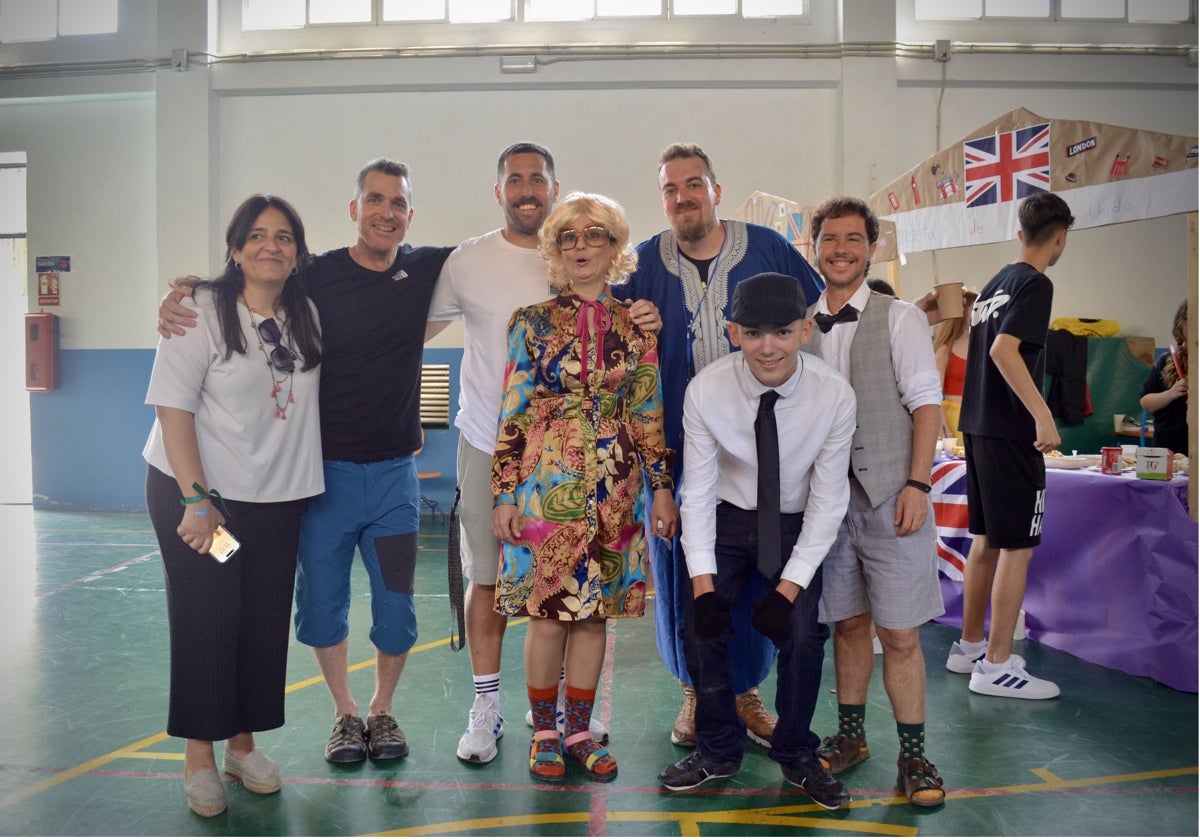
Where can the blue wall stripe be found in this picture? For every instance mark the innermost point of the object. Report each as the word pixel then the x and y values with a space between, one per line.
pixel 87 436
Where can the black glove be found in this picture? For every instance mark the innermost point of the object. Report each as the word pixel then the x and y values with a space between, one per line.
pixel 772 617
pixel 712 614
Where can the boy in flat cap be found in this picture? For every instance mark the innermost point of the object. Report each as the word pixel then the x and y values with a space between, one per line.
pixel 767 434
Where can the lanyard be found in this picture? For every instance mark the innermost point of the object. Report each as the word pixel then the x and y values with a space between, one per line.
pixel 690 319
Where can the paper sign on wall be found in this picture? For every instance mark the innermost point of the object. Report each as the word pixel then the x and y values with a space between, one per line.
pixel 52 264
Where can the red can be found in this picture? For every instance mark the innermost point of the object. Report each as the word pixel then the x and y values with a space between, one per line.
pixel 1110 460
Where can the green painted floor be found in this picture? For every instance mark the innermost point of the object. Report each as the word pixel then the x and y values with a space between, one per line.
pixel 83 751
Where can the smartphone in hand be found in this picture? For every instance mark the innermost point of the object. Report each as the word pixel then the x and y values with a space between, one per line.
pixel 223 545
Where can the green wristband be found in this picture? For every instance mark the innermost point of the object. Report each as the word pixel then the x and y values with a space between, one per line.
pixel 214 495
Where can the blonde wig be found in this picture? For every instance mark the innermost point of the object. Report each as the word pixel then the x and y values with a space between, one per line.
pixel 599 210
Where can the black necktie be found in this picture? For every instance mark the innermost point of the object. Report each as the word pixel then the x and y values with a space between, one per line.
pixel 766 438
pixel 826 322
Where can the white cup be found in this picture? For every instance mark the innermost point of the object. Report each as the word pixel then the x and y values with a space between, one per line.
pixel 1118 422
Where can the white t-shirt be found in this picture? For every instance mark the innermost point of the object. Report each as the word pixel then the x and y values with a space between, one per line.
pixel 248 454
pixel 483 282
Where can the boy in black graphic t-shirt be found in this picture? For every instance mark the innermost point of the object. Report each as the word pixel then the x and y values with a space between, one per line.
pixel 1007 428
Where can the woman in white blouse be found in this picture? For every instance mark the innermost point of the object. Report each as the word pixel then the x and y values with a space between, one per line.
pixel 236 443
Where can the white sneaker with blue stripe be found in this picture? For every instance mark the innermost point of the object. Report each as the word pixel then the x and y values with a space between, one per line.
pixel 1012 681
pixel 963 656
pixel 485 726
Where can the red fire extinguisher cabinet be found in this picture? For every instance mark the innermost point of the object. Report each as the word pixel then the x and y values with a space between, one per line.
pixel 41 351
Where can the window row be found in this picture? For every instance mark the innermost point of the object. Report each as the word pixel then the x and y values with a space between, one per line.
pixel 284 14
pixel 1133 11
pixel 44 20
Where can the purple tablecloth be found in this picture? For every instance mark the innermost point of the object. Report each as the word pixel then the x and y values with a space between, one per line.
pixel 1114 580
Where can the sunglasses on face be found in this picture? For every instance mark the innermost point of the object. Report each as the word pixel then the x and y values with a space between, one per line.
pixel 281 358
pixel 594 236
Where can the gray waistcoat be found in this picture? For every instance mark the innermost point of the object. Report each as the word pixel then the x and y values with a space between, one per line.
pixel 881 454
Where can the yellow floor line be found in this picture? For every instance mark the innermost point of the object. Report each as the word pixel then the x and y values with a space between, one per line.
pixel 689 822
pixel 78 770
pixel 132 750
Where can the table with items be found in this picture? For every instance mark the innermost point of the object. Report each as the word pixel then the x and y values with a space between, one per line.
pixel 1114 581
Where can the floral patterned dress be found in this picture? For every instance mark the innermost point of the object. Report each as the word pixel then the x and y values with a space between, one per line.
pixel 577 429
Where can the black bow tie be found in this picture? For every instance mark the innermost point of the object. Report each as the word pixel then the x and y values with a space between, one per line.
pixel 826 322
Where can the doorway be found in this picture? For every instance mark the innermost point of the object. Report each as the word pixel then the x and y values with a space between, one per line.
pixel 16 460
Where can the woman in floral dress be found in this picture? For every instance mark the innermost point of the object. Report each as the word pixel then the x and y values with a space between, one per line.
pixel 580 423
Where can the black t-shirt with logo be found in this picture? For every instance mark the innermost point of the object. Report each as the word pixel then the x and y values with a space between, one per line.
pixel 373 329
pixel 1015 302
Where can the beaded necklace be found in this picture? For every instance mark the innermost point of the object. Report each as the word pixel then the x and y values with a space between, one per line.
pixel 276 384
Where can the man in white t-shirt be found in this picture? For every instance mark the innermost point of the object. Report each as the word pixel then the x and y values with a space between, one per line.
pixel 482 282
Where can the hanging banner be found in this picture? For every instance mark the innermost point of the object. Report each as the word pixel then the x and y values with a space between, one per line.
pixel 968 193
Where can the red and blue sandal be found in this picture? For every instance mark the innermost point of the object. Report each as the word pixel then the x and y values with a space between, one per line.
pixel 591 757
pixel 545 757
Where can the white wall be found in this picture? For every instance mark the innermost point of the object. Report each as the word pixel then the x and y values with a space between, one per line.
pixel 603 140
pixel 91 197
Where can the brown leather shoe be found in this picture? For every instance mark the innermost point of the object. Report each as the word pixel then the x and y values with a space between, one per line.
pixel 683 733
pixel 921 784
pixel 760 724
pixel 838 753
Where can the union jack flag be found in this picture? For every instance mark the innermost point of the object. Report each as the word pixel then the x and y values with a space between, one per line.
pixel 949 497
pixel 1006 166
pixel 795 227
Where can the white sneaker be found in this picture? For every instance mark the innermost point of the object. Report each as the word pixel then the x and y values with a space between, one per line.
pixel 1014 681
pixel 485 726
pixel 960 661
pixel 599 730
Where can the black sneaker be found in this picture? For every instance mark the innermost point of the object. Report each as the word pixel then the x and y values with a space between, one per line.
pixel 348 743
pixel 385 740
pixel 811 777
pixel 695 770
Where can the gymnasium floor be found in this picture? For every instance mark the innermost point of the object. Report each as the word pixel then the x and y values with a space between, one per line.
pixel 83 750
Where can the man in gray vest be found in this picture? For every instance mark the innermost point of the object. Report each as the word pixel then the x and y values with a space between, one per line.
pixel 883 566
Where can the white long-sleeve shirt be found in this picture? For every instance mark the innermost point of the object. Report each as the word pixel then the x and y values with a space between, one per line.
pixel 816 418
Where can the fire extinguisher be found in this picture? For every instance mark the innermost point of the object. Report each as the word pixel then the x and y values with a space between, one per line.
pixel 41 351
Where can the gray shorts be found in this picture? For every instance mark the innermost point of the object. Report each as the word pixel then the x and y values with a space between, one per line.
pixel 871 570
pixel 480 550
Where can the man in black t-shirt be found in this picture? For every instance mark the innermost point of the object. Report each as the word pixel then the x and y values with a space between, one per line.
pixel 1007 428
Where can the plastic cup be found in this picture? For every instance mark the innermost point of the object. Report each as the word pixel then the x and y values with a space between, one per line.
pixel 950 299
pixel 1118 423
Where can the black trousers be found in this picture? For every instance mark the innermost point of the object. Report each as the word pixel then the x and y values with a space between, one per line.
pixel 719 731
pixel 229 622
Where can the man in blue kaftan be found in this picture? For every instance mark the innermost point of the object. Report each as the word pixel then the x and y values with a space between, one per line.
pixel 690 271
